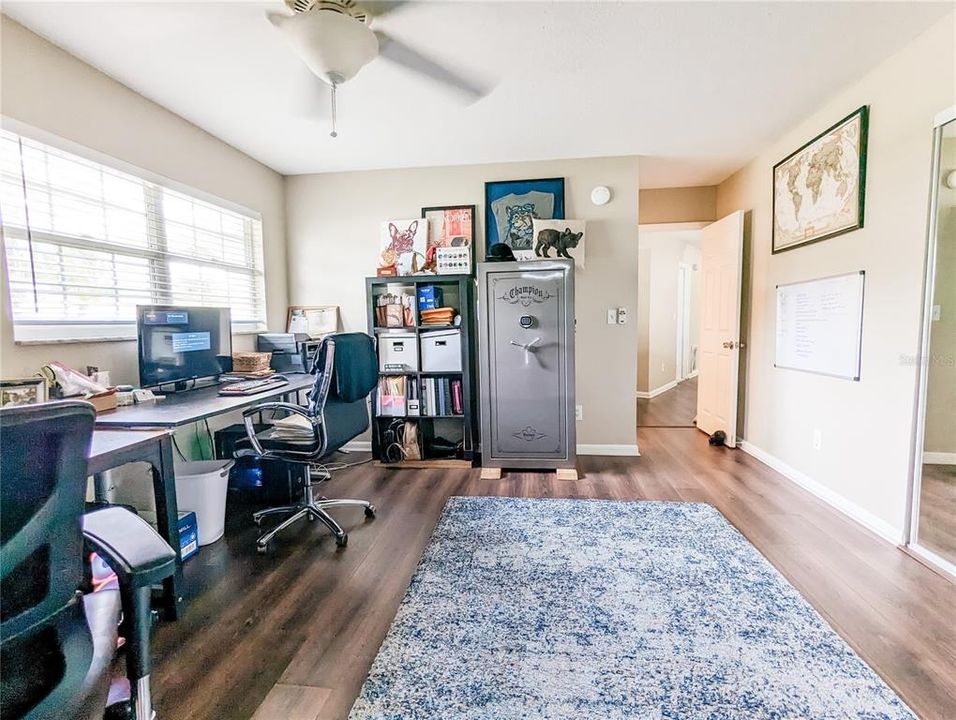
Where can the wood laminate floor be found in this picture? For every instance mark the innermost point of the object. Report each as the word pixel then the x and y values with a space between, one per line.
pixel 675 408
pixel 937 512
pixel 291 636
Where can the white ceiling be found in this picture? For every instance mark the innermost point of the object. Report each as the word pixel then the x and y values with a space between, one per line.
pixel 702 87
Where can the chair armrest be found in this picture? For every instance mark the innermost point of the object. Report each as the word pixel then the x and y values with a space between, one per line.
pixel 273 406
pixel 130 546
pixel 267 406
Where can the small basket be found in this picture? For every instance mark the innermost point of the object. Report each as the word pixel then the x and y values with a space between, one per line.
pixel 249 362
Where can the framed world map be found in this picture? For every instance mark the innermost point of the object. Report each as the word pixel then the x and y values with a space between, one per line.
pixel 818 190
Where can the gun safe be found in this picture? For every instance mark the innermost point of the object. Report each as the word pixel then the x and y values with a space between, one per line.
pixel 526 361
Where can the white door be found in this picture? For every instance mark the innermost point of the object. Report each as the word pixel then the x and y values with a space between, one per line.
pixel 721 259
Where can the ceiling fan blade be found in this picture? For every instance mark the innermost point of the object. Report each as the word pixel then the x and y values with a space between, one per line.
pixel 401 54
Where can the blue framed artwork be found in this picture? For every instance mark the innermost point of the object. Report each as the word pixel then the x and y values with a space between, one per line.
pixel 512 205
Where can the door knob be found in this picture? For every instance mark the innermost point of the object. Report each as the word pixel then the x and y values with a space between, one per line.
pixel 729 344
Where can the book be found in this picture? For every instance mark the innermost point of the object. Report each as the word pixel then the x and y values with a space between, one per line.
pixel 457 406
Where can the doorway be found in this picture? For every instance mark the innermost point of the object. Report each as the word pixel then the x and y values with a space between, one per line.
pixel 668 324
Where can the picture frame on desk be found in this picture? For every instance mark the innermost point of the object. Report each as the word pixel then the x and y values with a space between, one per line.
pixel 22 391
pixel 452 232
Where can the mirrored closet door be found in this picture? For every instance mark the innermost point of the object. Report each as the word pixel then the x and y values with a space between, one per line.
pixel 933 520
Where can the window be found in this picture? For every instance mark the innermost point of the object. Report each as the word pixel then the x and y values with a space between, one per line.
pixel 86 243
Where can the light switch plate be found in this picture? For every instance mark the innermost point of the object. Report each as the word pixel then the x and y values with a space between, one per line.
pixel 611 316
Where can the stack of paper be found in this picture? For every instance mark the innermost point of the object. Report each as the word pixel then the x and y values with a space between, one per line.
pixel 294 427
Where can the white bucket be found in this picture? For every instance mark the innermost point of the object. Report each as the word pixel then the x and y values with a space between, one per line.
pixel 201 488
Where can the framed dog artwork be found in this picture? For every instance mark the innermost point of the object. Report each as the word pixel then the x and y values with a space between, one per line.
pixel 404 244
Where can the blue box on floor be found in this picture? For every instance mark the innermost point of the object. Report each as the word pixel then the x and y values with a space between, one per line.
pixel 188 535
pixel 429 297
pixel 188 532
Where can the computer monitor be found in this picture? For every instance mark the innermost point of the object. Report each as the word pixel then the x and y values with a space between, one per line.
pixel 177 344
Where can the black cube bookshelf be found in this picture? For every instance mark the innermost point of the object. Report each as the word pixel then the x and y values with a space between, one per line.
pixel 459 293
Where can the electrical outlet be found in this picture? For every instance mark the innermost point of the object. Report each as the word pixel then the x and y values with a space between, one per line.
pixel 611 316
pixel 817 439
pixel 935 313
pixel 579 412
pixel 622 316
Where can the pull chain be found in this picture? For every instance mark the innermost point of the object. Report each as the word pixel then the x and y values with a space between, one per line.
pixel 333 133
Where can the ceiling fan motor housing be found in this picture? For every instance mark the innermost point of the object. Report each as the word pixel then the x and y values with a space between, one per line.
pixel 332 41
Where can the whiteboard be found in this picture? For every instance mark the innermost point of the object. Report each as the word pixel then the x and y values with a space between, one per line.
pixel 820 325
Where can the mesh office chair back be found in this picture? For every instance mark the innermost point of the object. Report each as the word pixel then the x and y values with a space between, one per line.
pixel 43 454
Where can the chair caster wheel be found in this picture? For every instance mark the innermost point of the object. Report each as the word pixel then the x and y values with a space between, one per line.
pixel 342 540
pixel 370 511
pixel 262 549
pixel 311 517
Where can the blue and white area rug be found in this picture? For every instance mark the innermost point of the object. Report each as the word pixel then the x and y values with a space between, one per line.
pixel 564 609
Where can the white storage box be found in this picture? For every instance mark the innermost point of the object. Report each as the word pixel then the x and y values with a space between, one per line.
pixel 397 352
pixel 201 488
pixel 441 351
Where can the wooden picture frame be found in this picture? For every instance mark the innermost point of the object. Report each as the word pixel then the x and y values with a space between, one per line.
pixel 436 216
pixel 788 175
pixel 23 391
pixel 320 320
pixel 497 194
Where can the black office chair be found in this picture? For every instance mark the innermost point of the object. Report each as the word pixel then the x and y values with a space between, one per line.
pixel 56 643
pixel 346 370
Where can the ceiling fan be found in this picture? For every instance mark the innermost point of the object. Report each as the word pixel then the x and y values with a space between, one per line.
pixel 334 39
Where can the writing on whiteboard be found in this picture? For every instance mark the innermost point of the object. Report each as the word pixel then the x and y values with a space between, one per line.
pixel 820 324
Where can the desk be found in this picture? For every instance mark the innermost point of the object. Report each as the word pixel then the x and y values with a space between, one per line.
pixel 112 448
pixel 189 406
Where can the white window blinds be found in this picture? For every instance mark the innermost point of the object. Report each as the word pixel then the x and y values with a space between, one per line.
pixel 85 243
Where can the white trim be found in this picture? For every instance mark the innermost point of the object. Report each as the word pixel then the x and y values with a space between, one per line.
pixel 691 375
pixel 674 226
pixel 626 450
pixel 940 563
pixel 647 395
pixel 358 446
pixel 853 511
pixel 939 458
pixel 944 116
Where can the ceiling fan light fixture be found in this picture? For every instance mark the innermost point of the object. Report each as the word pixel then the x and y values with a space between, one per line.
pixel 333 45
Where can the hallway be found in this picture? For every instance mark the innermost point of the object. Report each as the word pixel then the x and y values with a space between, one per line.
pixel 675 408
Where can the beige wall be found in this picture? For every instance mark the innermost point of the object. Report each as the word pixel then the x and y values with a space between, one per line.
pixel 673 205
pixel 333 229
pixel 866 425
pixel 941 378
pixel 47 88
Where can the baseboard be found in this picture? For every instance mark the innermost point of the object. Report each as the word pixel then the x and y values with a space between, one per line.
pixel 939 458
pixel 358 446
pixel 853 511
pixel 647 395
pixel 692 375
pixel 626 450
